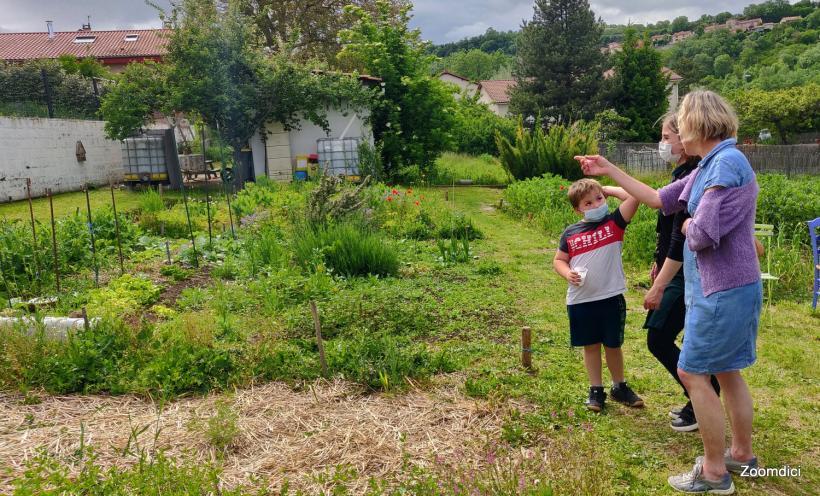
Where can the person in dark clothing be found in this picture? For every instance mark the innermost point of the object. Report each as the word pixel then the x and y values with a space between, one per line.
pixel 665 300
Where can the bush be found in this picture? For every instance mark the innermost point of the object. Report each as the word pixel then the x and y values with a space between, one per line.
pixel 346 248
pixel 484 169
pixel 788 204
pixel 537 152
pixel 476 127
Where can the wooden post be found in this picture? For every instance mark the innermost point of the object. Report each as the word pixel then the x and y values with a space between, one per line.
pixel 190 226
pixel 526 347
pixel 318 325
pixel 54 240
pixel 168 251
pixel 33 232
pixel 446 195
pixel 208 206
pixel 85 319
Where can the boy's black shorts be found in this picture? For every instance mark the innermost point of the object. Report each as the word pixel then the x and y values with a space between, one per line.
pixel 600 321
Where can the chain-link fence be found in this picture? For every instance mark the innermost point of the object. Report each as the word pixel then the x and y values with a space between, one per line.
pixel 44 89
pixel 791 160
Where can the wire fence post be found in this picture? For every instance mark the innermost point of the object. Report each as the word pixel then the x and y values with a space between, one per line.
pixel 93 242
pixel 117 227
pixel 54 239
pixel 47 88
pixel 190 226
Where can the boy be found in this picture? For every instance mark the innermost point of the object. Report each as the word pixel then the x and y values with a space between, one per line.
pixel 589 258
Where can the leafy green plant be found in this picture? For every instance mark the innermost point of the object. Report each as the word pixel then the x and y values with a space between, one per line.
pixel 175 272
pixel 537 152
pixel 346 248
pixel 123 295
pixel 151 202
pixel 454 252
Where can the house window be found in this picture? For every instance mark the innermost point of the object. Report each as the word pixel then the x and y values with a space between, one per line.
pixel 85 39
pixel 131 37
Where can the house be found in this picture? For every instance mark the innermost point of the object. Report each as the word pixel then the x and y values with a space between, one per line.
pixel 790 19
pixel 274 151
pixel 495 93
pixel 735 25
pixel 672 86
pixel 114 49
pixel 614 47
pixel 766 26
pixel 464 85
pixel 681 35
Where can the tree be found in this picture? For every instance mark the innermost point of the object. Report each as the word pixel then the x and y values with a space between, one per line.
pixel 304 30
pixel 141 90
pixel 640 86
pixel 722 65
pixel 415 113
pixel 560 65
pixel 785 112
pixel 769 11
pixel 680 23
pixel 474 64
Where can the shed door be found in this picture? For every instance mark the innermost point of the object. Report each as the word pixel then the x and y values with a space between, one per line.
pixel 277 146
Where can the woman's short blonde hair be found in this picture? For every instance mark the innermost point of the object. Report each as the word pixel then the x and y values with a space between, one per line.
pixel 704 115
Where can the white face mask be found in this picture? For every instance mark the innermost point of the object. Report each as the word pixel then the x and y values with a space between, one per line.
pixel 665 151
pixel 597 213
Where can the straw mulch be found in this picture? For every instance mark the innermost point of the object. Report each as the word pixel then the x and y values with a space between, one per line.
pixel 283 434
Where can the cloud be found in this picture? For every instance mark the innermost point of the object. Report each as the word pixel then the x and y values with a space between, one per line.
pixel 26 16
pixel 467 31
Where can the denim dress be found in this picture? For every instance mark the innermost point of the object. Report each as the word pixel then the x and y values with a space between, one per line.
pixel 721 329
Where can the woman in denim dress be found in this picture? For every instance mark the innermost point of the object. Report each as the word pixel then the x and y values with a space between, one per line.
pixel 723 291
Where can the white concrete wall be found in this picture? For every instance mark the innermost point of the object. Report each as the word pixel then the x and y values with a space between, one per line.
pixel 303 141
pixel 44 150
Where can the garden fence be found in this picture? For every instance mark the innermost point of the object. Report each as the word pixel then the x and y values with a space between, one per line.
pixel 46 92
pixel 643 158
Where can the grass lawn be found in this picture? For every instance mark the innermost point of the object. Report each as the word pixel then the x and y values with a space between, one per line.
pixel 484 170
pixel 475 311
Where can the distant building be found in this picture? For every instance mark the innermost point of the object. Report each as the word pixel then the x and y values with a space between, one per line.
pixel 672 86
pixel 496 94
pixel 790 19
pixel 114 49
pixel 681 35
pixel 464 84
pixel 735 25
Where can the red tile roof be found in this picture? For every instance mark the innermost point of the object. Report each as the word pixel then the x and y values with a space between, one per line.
pixel 150 43
pixel 497 89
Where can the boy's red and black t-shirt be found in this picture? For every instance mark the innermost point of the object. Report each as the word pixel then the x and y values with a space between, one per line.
pixel 596 246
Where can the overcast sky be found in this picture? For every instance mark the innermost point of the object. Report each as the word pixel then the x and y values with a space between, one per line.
pixel 440 21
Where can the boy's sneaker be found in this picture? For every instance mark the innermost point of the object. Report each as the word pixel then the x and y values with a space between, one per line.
pixel 597 398
pixel 694 483
pixel 686 421
pixel 675 412
pixel 622 393
pixel 736 466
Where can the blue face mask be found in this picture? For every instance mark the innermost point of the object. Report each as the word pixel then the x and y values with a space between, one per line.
pixel 597 213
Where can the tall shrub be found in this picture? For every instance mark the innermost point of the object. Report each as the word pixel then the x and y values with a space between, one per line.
pixel 537 152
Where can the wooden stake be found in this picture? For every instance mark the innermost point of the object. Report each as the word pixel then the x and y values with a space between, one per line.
pixel 190 226
pixel 526 347
pixel 33 233
pixel 318 325
pixel 85 319
pixel 93 244
pixel 168 251
pixel 54 240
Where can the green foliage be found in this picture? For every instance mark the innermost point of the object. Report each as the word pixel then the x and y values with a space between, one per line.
pixel 151 202
pixel 345 248
pixel 475 65
pixel 413 117
pixel 123 295
pixel 774 10
pixel 612 126
pixel 785 111
pixel 560 65
pixel 491 41
pixel 484 169
pixel 140 90
pixel 24 93
pixel 382 362
pixel 537 152
pixel 640 93
pixel 455 250
pixel 475 127
pixel 788 204
pixel 545 197
pixel 87 67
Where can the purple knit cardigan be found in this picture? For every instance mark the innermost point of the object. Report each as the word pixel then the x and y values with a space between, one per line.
pixel 721 232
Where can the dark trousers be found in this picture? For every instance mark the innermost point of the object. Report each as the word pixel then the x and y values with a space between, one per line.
pixel 661 343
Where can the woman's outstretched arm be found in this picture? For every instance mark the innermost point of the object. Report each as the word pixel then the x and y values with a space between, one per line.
pixel 596 165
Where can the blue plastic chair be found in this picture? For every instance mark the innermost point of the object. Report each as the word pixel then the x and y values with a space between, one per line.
pixel 814 227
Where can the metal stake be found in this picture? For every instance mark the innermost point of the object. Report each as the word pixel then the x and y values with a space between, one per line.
pixel 33 233
pixel 54 239
pixel 117 227
pixel 208 206
pixel 93 243
pixel 190 227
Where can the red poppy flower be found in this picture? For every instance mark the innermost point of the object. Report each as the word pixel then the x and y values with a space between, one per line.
pixel 395 192
pixel 562 187
pixel 389 198
pixel 417 203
